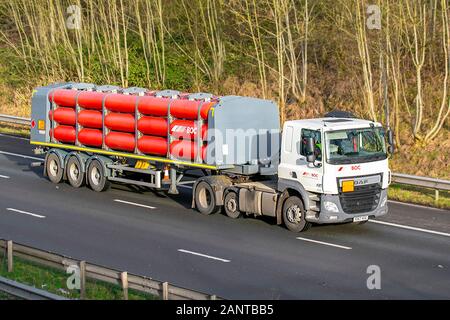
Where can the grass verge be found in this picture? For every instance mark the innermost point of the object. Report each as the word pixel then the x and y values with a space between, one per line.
pixel 54 281
pixel 422 196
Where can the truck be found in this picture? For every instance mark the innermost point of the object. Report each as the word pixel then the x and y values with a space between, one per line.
pixel 312 171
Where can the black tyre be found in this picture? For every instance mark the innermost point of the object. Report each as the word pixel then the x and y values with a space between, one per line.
pixel 294 215
pixel 205 201
pixel 75 174
pixel 231 205
pixel 53 168
pixel 96 177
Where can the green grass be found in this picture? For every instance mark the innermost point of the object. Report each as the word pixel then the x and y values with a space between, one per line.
pixel 16 130
pixel 423 196
pixel 5 296
pixel 54 281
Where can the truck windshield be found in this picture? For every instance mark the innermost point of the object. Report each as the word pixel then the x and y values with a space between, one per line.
pixel 355 145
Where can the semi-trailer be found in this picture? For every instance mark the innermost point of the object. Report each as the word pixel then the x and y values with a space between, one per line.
pixel 324 170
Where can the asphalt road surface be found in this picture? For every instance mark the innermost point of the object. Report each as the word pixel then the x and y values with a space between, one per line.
pixel 160 236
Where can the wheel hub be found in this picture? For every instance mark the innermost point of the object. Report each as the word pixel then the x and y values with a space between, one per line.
pixel 232 205
pixel 294 214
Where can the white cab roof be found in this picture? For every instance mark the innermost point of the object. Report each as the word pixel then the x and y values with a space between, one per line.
pixel 332 123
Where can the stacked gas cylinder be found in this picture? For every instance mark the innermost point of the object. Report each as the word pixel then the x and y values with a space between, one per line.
pixel 143 124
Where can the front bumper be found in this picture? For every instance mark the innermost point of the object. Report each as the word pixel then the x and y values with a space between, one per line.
pixel 339 216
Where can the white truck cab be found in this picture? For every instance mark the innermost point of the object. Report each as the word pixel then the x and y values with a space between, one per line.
pixel 345 178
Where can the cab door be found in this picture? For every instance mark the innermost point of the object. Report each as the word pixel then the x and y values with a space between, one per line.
pixel 310 174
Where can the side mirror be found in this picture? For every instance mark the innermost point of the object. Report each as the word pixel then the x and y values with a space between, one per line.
pixel 310 146
pixel 390 138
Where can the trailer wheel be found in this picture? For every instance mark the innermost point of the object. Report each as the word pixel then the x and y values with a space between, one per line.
pixel 96 177
pixel 53 168
pixel 74 172
pixel 205 200
pixel 231 205
pixel 294 215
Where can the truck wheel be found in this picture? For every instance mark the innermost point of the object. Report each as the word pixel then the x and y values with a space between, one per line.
pixel 75 174
pixel 53 168
pixel 205 200
pixel 294 215
pixel 231 204
pixel 96 177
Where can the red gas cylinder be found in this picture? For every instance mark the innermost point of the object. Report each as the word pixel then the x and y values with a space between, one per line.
pixel 186 129
pixel 121 103
pixel 153 126
pixel 120 122
pixel 91 100
pixel 153 106
pixel 90 118
pixel 90 137
pixel 153 145
pixel 63 115
pixel 187 109
pixel 64 134
pixel 120 141
pixel 63 97
pixel 185 149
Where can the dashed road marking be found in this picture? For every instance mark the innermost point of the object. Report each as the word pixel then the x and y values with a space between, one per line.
pixel 203 255
pixel 134 204
pixel 4 177
pixel 325 243
pixel 26 212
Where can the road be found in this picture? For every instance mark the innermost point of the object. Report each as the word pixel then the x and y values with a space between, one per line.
pixel 159 236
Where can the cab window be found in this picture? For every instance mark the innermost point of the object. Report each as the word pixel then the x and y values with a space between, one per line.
pixel 315 134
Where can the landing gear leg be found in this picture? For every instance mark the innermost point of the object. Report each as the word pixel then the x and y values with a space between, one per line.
pixel 173 182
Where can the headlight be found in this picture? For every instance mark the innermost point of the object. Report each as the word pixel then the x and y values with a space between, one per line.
pixel 330 206
pixel 383 202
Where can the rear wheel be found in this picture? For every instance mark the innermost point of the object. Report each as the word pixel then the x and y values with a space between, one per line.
pixel 75 174
pixel 53 168
pixel 205 201
pixel 294 215
pixel 96 176
pixel 231 204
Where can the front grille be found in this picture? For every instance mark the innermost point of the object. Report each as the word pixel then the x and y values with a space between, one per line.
pixel 363 199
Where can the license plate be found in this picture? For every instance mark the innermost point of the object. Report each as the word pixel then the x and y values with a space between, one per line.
pixel 359 219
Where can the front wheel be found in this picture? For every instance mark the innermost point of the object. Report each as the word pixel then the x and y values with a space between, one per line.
pixel 294 215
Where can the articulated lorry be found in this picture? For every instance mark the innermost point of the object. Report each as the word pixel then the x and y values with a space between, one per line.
pixel 325 170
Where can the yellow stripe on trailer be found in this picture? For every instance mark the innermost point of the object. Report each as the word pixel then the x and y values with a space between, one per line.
pixel 123 154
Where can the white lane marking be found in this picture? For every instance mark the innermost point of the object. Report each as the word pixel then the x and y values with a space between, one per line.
pixel 13 137
pixel 411 228
pixel 20 155
pixel 134 204
pixel 4 177
pixel 416 205
pixel 26 212
pixel 325 243
pixel 203 255
pixel 184 186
